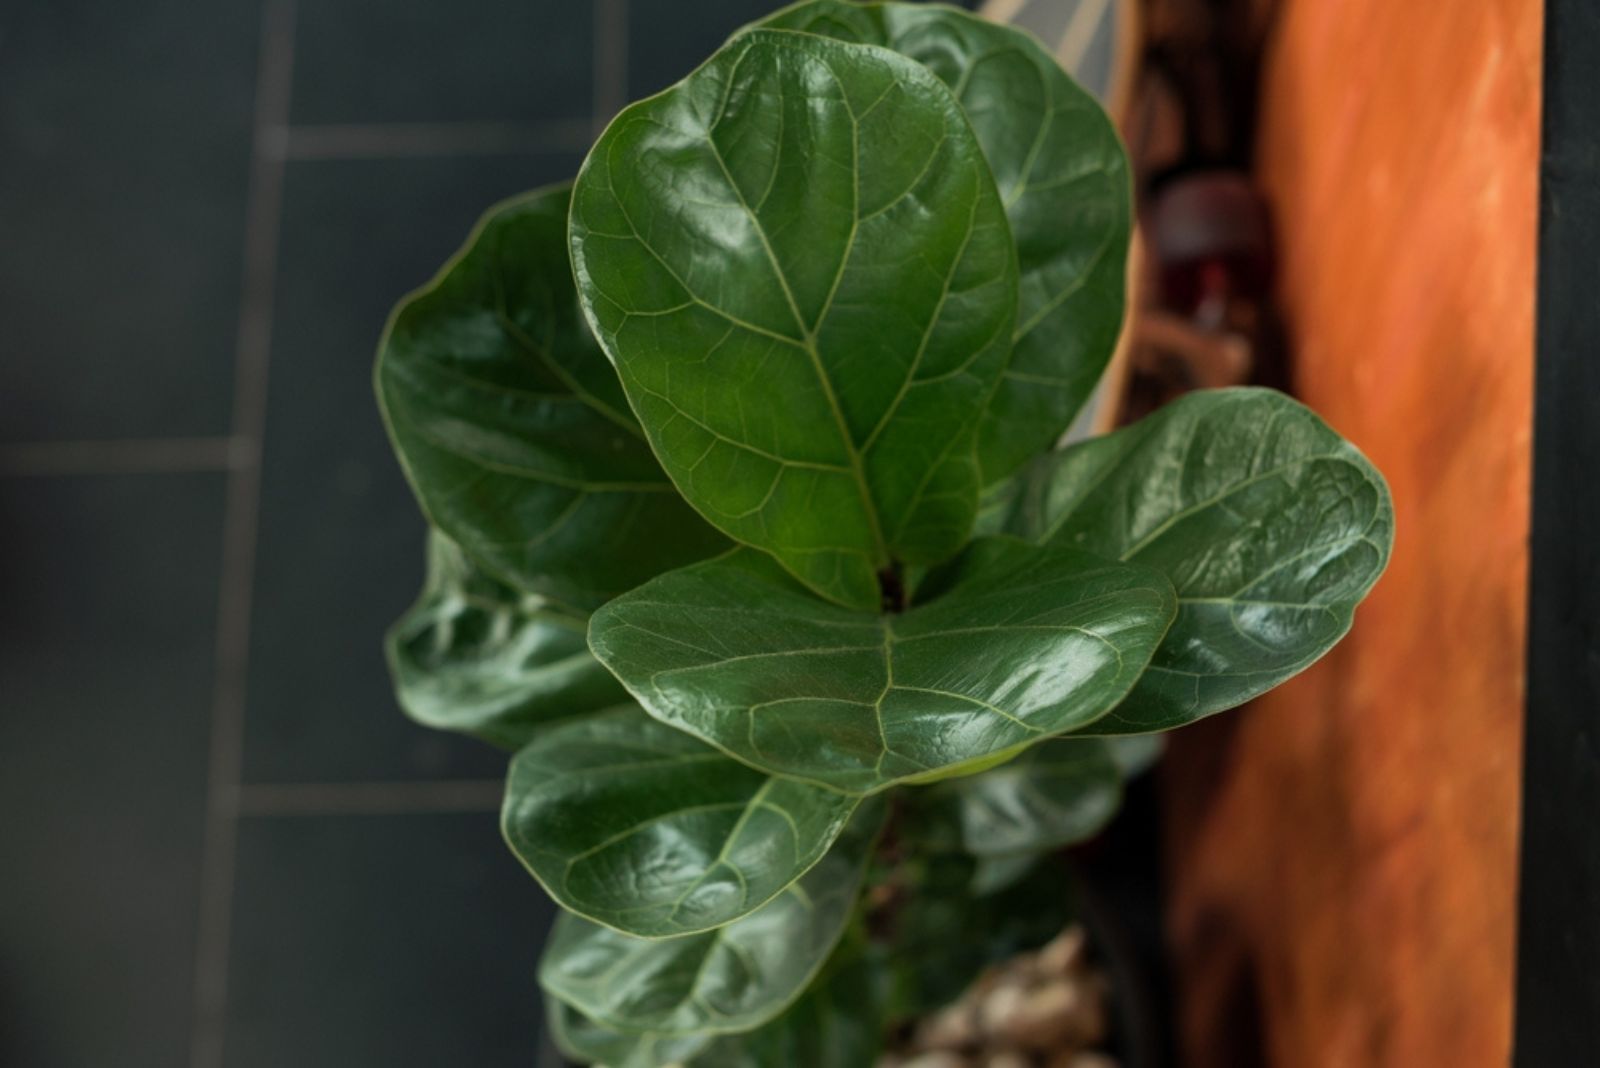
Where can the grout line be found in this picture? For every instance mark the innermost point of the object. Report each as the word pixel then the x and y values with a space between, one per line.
pixel 396 139
pixel 610 61
pixel 370 798
pixel 132 456
pixel 263 208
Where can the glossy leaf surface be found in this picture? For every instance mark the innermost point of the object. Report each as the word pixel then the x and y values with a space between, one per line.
pixel 477 656
pixel 1061 791
pixel 1064 178
pixel 587 1042
pixel 1271 526
pixel 800 265
pixel 1021 643
pixel 836 1024
pixel 512 427
pixel 640 827
pixel 734 978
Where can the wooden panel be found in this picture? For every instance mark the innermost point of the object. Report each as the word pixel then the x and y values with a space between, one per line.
pixel 1343 854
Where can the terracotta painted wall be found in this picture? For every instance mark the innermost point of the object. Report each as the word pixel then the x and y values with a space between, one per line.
pixel 1343 854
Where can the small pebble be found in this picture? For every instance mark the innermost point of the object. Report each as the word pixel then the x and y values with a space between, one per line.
pixel 1065 953
pixel 997 1013
pixel 1068 1059
pixel 1007 1058
pixel 955 1027
pixel 1047 1017
pixel 937 1059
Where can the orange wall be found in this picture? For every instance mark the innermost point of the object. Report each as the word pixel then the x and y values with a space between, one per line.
pixel 1343 854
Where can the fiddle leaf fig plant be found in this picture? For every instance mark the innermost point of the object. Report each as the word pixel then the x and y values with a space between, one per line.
pixel 754 543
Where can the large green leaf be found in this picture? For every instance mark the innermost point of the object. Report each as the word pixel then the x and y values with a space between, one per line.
pixel 800 265
pixel 587 1042
pixel 1271 526
pixel 640 827
pixel 512 427
pixel 1064 178
pixel 836 1024
pixel 1061 791
pixel 734 978
pixel 1020 643
pixel 476 656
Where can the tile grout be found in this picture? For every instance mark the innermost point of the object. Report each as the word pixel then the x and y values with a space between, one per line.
pixel 262 216
pixel 110 456
pixel 610 61
pixel 401 139
pixel 370 798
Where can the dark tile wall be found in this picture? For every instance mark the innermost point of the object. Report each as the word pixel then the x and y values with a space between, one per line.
pixel 224 846
pixel 383 940
pixel 108 588
pixel 364 61
pixel 122 207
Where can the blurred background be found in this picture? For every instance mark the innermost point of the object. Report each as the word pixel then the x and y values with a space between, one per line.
pixel 222 842
pixel 223 846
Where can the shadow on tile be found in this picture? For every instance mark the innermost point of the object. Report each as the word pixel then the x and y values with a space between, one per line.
pixel 108 587
pixel 400 941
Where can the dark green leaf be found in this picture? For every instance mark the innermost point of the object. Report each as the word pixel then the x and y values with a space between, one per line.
pixel 991 875
pixel 476 656
pixel 734 978
pixel 642 828
pixel 836 1024
pixel 945 931
pixel 800 265
pixel 1061 791
pixel 995 506
pixel 1271 527
pixel 1063 176
pixel 587 1042
pixel 1135 754
pixel 512 427
pixel 1022 644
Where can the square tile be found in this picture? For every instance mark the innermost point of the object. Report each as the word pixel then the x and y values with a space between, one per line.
pixel 340 553
pixel 369 61
pixel 108 587
pixel 392 941
pixel 125 131
pixel 665 43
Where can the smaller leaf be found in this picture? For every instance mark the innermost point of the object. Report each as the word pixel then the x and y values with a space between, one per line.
pixel 1061 791
pixel 1271 526
pixel 1013 645
pixel 945 932
pixel 587 1042
pixel 512 427
pixel 640 827
pixel 732 979
pixel 1135 754
pixel 992 875
pixel 837 1024
pixel 475 656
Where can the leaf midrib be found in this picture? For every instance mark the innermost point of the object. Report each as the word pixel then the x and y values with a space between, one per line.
pixel 808 334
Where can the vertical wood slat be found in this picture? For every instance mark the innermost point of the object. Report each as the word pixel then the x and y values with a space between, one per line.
pixel 1343 855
